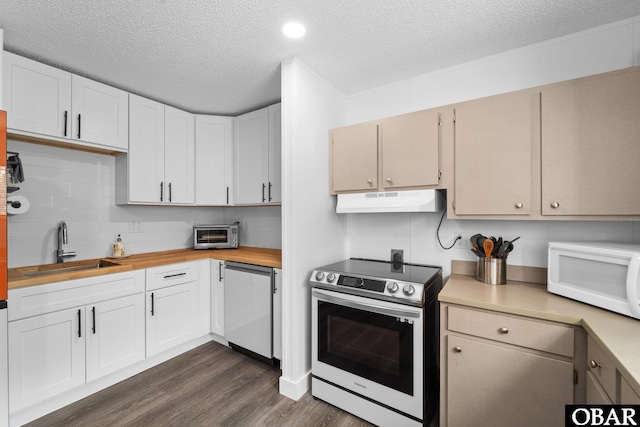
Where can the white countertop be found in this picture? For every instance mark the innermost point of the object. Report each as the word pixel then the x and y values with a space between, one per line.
pixel 618 335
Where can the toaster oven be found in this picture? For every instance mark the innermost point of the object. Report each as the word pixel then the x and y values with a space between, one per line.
pixel 216 236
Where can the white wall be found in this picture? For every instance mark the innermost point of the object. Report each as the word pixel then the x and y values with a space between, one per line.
pixel 312 234
pixel 79 188
pixel 598 50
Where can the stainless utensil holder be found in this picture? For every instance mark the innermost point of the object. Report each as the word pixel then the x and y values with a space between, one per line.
pixel 492 271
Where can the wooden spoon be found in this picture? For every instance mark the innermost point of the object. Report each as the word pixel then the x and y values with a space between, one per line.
pixel 488 247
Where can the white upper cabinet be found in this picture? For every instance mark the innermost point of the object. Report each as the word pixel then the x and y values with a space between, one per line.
pixel 44 101
pixel 214 160
pixel 100 113
pixel 159 168
pixel 257 157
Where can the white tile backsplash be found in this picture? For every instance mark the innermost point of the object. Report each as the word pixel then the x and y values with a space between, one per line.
pixel 79 188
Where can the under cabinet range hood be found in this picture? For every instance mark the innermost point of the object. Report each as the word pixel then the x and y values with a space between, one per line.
pixel 390 201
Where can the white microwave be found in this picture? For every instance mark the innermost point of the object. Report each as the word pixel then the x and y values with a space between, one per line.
pixel 606 275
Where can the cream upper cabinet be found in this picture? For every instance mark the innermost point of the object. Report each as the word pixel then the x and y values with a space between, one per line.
pixel 257 157
pixel 495 139
pixel 591 145
pixel 214 160
pixel 411 150
pixel 44 101
pixel 159 168
pixel 354 158
pixel 396 153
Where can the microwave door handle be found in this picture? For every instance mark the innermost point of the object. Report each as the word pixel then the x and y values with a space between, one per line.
pixel 633 282
pixel 367 307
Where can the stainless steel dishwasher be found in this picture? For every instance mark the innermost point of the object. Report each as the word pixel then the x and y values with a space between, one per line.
pixel 248 309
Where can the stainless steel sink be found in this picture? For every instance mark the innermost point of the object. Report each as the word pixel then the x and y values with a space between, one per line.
pixel 50 269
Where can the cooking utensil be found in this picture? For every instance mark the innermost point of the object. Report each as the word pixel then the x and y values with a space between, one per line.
pixel 473 240
pixel 488 247
pixel 480 241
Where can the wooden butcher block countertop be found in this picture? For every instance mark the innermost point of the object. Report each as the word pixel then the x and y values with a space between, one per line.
pixel 41 274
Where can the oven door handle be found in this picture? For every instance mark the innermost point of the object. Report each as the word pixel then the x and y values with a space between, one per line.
pixel 366 307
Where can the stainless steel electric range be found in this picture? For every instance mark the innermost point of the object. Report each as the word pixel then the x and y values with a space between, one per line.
pixel 375 340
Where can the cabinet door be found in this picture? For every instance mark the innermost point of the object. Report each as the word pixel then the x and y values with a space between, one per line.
pixel 100 114
pixel 172 316
pixel 354 158
pixel 411 150
pixel 251 157
pixel 115 335
pixel 494 139
pixel 627 395
pixel 37 97
pixel 596 395
pixel 591 145
pixel 277 314
pixel 274 193
pixel 214 160
pixel 217 297
pixel 179 151
pixel 46 356
pixel 491 385
pixel 146 150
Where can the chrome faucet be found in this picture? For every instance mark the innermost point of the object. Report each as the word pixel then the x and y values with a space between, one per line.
pixel 63 239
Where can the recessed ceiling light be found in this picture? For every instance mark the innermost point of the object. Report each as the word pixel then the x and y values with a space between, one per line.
pixel 293 30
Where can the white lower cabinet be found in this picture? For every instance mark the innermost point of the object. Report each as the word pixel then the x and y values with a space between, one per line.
pixel 277 314
pixel 115 335
pixel 171 306
pixel 46 356
pixel 217 297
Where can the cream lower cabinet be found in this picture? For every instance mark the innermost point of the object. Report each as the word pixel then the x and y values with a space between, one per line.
pixel 605 384
pixel 502 370
pixel 171 306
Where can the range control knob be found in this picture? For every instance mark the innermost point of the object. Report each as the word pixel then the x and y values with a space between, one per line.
pixel 319 276
pixel 408 290
pixel 331 277
pixel 392 287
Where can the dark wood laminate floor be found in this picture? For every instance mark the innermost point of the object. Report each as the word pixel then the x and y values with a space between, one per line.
pixel 211 385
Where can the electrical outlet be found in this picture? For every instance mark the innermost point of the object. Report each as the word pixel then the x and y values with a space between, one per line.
pixel 135 227
pixel 397 255
pixel 461 243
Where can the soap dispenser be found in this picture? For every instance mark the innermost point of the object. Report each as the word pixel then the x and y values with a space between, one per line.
pixel 118 247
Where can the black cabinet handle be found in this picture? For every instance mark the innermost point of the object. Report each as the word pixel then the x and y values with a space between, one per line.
pixel 65 122
pixel 79 126
pixel 269 191
pixel 79 324
pixel 93 314
pixel 263 187
pixel 152 308
pixel 227 195
pixel 219 272
pixel 161 191
pixel 170 276
pixel 169 192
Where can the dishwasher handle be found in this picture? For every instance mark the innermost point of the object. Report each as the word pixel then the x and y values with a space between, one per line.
pixel 249 268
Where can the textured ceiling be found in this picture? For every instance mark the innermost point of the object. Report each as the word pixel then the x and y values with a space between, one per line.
pixel 223 56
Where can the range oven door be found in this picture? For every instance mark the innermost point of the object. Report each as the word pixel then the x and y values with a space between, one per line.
pixel 369 347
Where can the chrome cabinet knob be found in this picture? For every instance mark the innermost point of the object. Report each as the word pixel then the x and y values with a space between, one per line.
pixel 319 275
pixel 593 364
pixel 519 205
pixel 457 349
pixel 331 277
pixel 408 290
pixel 555 205
pixel 392 287
pixel 504 330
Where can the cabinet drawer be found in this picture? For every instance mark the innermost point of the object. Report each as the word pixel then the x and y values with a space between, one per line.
pixel 602 367
pixel 172 274
pixel 549 337
pixel 41 299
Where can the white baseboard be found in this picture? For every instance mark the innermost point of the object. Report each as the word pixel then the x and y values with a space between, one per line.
pixel 295 390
